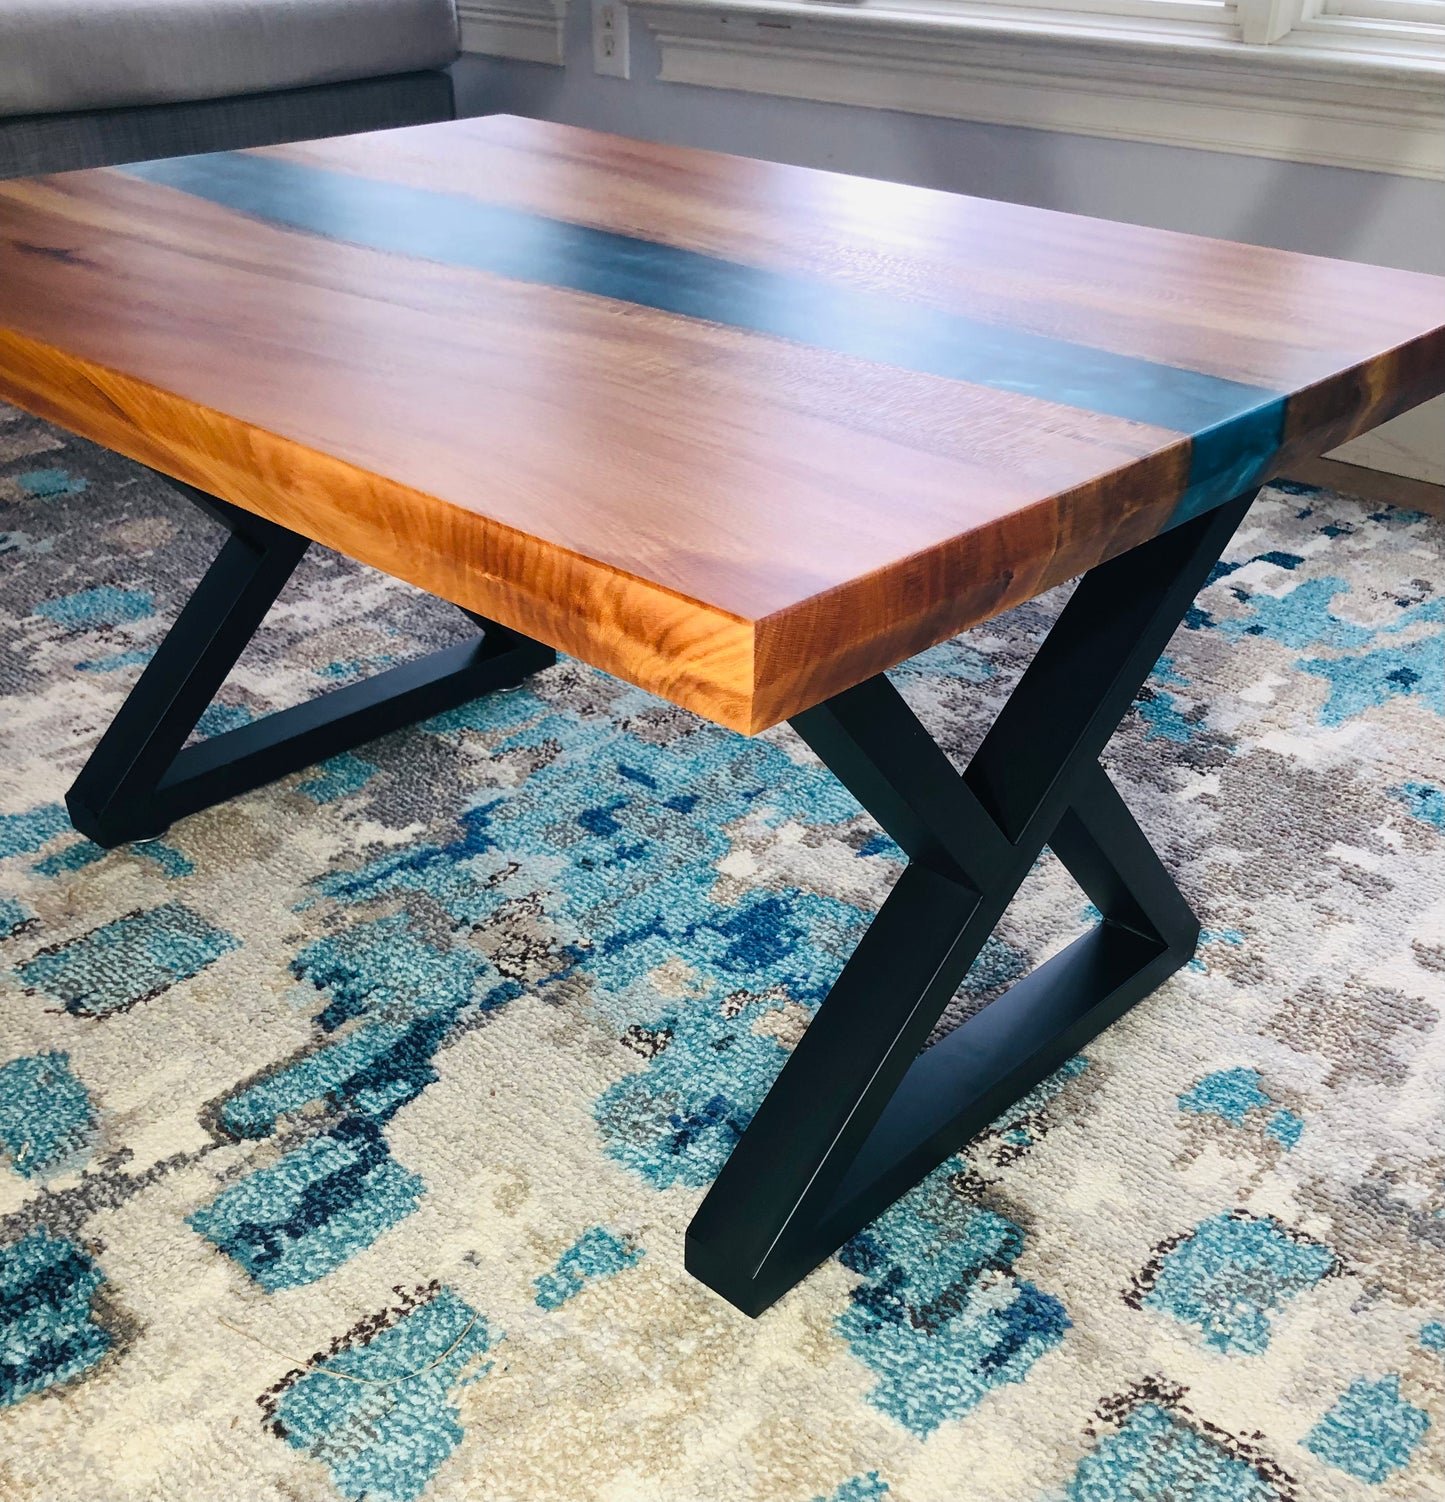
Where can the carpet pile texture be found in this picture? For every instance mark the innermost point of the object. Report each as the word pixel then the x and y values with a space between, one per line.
pixel 349 1132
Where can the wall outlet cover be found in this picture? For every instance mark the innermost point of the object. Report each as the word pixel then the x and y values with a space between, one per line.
pixel 610 52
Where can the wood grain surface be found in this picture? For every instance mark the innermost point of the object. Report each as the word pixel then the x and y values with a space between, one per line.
pixel 740 433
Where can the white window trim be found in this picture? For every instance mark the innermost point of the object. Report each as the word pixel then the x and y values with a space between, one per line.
pixel 1335 90
pixel 528 30
pixel 1349 22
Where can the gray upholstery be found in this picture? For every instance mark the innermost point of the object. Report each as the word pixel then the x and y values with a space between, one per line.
pixel 98 138
pixel 69 55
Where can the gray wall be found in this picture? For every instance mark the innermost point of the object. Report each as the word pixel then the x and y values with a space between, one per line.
pixel 1367 216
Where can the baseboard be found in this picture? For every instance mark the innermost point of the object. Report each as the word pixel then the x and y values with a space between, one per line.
pixel 1371 484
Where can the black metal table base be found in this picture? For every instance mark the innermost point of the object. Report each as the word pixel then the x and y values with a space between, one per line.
pixel 142 776
pixel 859 1115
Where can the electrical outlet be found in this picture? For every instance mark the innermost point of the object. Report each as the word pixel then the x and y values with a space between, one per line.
pixel 609 38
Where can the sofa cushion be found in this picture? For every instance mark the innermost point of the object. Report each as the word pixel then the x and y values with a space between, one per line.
pixel 93 54
pixel 61 141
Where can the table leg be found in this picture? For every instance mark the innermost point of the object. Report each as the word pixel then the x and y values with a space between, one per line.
pixel 859 1115
pixel 142 776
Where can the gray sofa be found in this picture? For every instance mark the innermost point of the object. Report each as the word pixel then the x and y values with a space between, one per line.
pixel 88 82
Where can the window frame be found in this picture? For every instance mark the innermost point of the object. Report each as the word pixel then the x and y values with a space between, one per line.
pixel 1402 12
pixel 1274 81
pixel 1411 23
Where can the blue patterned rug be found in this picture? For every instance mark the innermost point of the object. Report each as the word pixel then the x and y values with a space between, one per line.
pixel 348 1134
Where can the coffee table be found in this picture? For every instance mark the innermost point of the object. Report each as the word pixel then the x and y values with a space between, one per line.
pixel 746 435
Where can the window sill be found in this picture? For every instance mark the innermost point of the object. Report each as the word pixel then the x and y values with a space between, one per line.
pixel 1334 95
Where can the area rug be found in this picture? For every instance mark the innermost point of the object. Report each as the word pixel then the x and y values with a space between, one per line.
pixel 350 1131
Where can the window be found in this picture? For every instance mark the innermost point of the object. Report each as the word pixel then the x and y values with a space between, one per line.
pixel 1339 83
pixel 1341 22
pixel 1414 25
pixel 1413 12
pixel 1215 13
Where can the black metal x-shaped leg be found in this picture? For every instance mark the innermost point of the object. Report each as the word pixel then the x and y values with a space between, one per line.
pixel 858 1115
pixel 142 776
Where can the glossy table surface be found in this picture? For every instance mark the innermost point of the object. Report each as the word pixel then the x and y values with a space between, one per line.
pixel 744 434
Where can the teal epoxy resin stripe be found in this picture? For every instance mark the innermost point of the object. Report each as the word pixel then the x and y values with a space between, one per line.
pixel 1230 458
pixel 529 247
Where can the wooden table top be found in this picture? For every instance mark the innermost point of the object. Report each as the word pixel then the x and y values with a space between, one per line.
pixel 741 433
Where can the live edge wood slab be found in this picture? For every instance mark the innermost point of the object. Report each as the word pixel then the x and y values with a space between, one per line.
pixel 743 434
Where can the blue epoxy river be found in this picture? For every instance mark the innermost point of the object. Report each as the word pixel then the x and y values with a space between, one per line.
pixel 1237 427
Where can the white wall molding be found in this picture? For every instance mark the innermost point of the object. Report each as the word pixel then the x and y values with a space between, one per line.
pixel 1306 98
pixel 529 30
